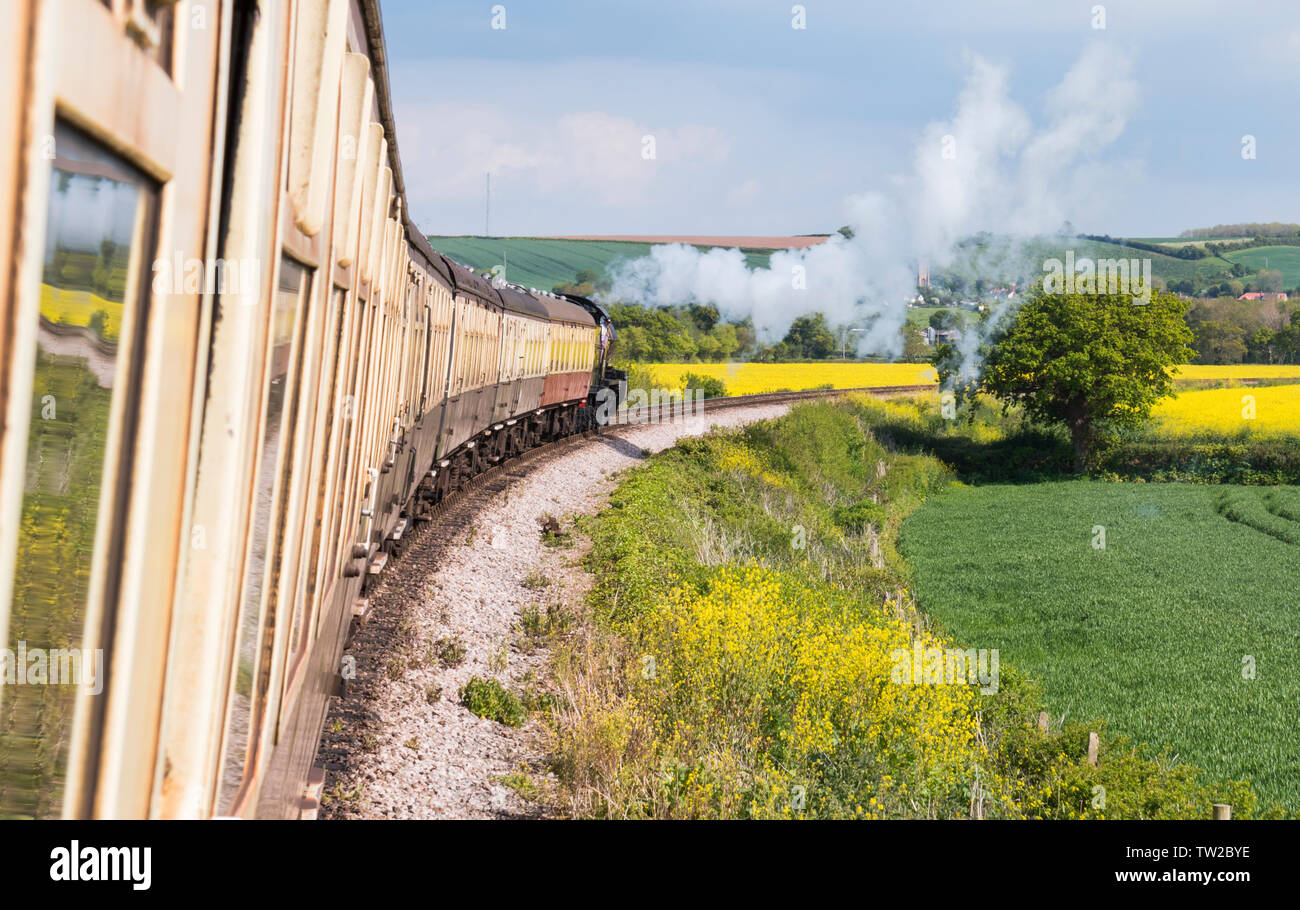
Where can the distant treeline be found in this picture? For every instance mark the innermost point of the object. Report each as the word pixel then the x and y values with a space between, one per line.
pixel 1247 229
pixel 697 332
pixel 1225 331
pixel 1206 251
pixel 1245 331
pixel 1229 246
pixel 1180 252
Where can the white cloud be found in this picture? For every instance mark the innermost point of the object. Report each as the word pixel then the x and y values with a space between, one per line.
pixel 589 154
pixel 988 168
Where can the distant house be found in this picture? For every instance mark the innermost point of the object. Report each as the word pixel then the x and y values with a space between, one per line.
pixel 1263 295
pixel 940 336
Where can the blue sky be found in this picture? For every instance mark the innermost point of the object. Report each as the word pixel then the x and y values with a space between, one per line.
pixel 761 128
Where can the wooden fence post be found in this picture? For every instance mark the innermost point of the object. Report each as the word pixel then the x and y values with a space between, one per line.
pixel 1092 749
pixel 1222 811
pixel 1042 722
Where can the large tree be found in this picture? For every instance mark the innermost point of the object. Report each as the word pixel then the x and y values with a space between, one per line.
pixel 1094 362
pixel 810 337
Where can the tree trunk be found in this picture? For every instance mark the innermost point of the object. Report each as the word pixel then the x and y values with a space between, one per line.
pixel 1080 434
pixel 1077 435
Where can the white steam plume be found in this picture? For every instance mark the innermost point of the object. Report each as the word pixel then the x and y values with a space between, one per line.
pixel 988 169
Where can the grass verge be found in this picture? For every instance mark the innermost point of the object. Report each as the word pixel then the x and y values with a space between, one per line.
pixel 742 650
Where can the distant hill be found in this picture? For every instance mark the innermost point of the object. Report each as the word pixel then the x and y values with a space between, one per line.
pixel 997 258
pixel 1285 259
pixel 1246 229
pixel 545 262
pixel 728 241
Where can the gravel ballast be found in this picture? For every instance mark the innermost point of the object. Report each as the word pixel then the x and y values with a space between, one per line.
pixel 398 743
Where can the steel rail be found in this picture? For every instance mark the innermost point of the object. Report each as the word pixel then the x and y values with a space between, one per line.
pixel 573 440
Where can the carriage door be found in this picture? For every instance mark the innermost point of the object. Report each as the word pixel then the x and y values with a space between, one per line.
pixel 107 158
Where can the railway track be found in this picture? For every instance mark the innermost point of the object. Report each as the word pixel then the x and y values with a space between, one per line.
pixel 486 485
pixel 710 405
pixel 389 747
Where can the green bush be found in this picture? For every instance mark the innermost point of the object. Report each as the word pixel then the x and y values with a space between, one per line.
pixel 984 444
pixel 858 516
pixel 711 387
pixel 489 699
pixel 1249 460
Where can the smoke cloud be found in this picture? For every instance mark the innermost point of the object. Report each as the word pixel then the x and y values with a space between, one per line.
pixel 986 169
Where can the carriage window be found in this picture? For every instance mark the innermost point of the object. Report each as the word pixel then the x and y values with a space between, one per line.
pixel 163 17
pixel 428 349
pixel 297 640
pixel 100 223
pixel 348 411
pixel 252 671
pixel 151 23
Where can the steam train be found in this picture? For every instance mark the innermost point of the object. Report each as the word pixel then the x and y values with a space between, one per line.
pixel 234 372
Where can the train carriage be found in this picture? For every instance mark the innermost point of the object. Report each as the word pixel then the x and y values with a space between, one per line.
pixel 234 375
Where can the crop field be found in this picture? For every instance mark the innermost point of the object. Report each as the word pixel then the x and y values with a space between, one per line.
pixel 1232 371
pixel 1005 258
pixel 1285 259
pixel 1275 409
pixel 544 263
pixel 756 378
pixel 771 655
pixel 920 315
pixel 1274 405
pixel 1179 242
pixel 1180 631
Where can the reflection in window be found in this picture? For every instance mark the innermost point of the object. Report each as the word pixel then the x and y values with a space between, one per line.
pixel 253 648
pixel 297 640
pixel 351 397
pixel 99 221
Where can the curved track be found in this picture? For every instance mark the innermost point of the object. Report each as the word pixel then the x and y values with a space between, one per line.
pixel 389 749
pixel 710 405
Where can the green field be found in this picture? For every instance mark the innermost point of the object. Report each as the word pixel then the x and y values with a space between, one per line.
pixel 538 262
pixel 999 260
pixel 1285 259
pixel 920 315
pixel 545 263
pixel 1150 632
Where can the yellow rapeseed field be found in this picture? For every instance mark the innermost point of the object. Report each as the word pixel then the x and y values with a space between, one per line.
pixel 1268 409
pixel 756 378
pixel 1237 371
pixel 760 642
